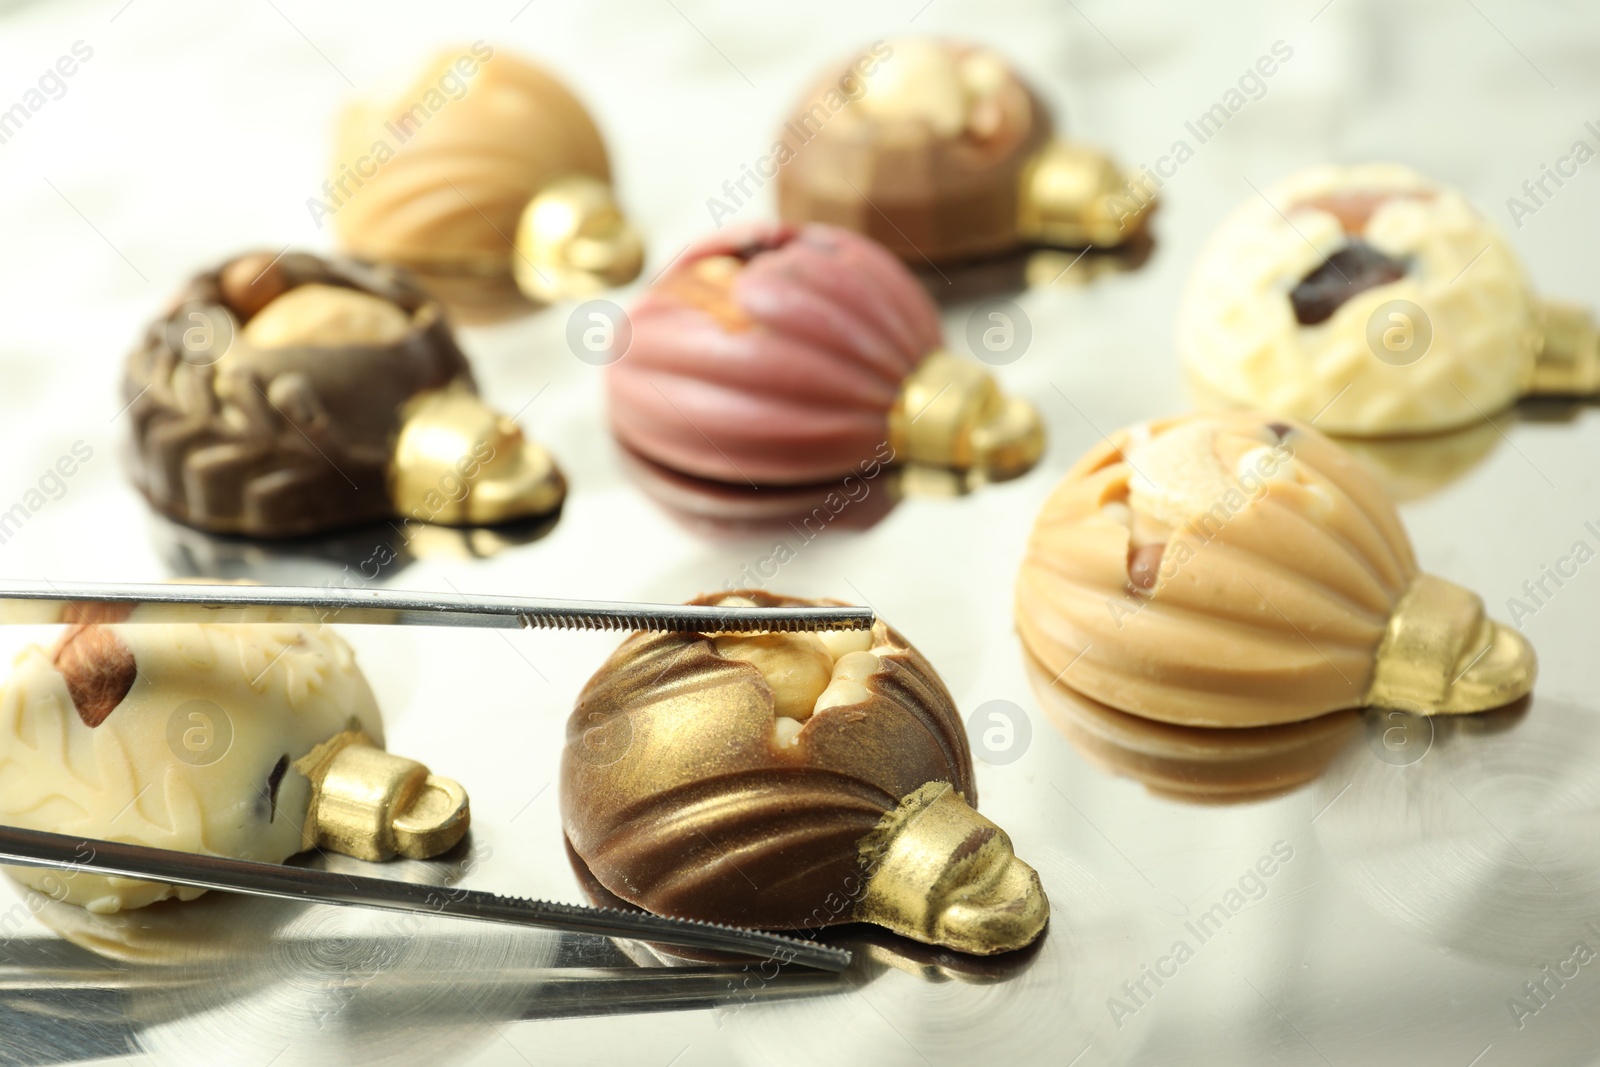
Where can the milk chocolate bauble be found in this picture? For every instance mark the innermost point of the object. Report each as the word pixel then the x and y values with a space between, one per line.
pixel 484 168
pixel 790 781
pixel 940 151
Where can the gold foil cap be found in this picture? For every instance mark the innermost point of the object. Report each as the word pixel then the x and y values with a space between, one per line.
pixel 1074 195
pixel 458 462
pixel 572 241
pixel 951 414
pixel 1442 656
pixel 942 874
pixel 1568 364
pixel 372 805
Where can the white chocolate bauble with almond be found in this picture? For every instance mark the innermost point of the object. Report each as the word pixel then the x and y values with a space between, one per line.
pixel 176 736
pixel 1241 340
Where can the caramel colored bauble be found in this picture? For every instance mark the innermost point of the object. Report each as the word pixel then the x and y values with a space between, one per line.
pixel 484 168
pixel 1237 570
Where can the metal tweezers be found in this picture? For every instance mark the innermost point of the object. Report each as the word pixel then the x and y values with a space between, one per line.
pixel 47 603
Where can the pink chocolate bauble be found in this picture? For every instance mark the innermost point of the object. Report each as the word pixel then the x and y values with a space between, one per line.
pixel 771 355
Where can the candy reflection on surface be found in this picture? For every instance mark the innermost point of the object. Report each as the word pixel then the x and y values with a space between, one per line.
pixel 353 557
pixel 908 1004
pixel 1194 764
pixel 720 509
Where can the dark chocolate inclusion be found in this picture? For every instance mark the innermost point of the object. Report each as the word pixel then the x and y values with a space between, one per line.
pixel 1353 269
pixel 274 780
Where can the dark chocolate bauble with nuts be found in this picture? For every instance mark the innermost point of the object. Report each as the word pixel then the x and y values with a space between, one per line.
pixel 289 395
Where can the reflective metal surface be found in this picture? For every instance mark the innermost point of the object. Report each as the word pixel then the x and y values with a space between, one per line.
pixel 32 848
pixel 1431 897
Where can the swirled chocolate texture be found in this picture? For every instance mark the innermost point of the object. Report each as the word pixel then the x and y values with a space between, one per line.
pixel 277 441
pixel 282 396
pixel 688 787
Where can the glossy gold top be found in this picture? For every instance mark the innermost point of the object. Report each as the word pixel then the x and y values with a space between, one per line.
pixel 951 414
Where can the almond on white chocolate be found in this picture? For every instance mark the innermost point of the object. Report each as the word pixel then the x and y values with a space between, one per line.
pixel 216 739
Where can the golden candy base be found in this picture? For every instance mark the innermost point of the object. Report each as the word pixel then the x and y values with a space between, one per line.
pixel 572 241
pixel 1074 196
pixel 941 873
pixel 1442 656
pixel 372 805
pixel 1569 362
pixel 458 462
pixel 951 414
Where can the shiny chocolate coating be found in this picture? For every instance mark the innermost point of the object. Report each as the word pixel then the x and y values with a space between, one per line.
pixel 282 441
pixel 677 798
pixel 286 396
pixel 930 186
pixel 771 355
pixel 186 737
pixel 445 193
pixel 1236 570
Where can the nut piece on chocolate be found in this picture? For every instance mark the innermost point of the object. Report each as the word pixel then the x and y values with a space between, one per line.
pixel 938 150
pixel 290 395
pixel 790 781
pixel 483 148
pixel 787 355
pixel 249 740
pixel 1353 269
pixel 1231 570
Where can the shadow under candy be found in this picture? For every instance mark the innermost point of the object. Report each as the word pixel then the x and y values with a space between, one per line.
pixel 355 556
pixel 477 299
pixel 1193 764
pixel 1032 268
pixel 1408 467
pixel 722 510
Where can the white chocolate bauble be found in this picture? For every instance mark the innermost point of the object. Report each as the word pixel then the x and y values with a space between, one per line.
pixel 1240 340
pixel 186 760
